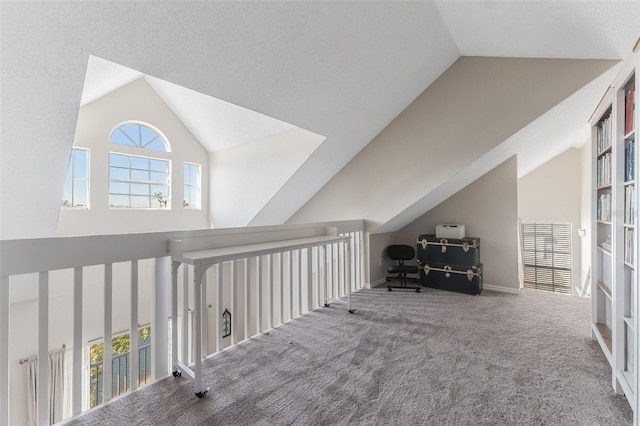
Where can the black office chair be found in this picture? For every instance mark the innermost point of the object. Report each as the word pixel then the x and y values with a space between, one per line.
pixel 402 253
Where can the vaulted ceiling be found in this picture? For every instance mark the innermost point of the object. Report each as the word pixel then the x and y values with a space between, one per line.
pixel 340 69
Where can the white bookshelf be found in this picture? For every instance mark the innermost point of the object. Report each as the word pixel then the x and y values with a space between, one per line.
pixel 614 314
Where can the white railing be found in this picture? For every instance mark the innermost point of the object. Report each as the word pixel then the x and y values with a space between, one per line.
pixel 132 274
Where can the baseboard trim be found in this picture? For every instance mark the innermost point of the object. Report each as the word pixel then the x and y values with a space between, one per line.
pixel 376 283
pixel 501 288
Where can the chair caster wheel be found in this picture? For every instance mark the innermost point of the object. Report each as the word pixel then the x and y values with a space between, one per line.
pixel 177 373
pixel 417 290
pixel 203 392
pixel 326 305
pixel 351 311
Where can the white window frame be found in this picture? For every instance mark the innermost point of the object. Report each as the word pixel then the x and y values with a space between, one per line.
pixel 198 187
pixel 74 179
pixel 161 136
pixel 130 181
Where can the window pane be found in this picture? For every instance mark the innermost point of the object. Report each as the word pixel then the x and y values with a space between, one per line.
pixel 118 201
pixel 67 196
pixel 140 175
pixel 132 131
pixel 159 166
pixel 120 138
pixel 138 135
pixel 157 145
pixel 119 160
pixel 139 202
pixel 190 174
pixel 118 188
pixel 139 189
pixel 160 188
pixel 158 177
pixel 136 181
pixel 118 173
pixel 147 135
pixel 81 191
pixel 81 168
pixel 139 163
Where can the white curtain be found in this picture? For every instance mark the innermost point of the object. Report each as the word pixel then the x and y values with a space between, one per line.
pixel 56 386
pixel 32 374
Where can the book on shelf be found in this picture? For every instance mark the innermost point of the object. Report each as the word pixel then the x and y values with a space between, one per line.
pixel 628 246
pixel 604 170
pixel 604 207
pixel 629 160
pixel 629 204
pixel 629 109
pixel 603 134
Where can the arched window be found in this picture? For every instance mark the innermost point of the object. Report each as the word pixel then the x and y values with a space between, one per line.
pixel 138 181
pixel 140 136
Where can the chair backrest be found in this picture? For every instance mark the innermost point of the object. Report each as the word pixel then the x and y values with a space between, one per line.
pixel 400 252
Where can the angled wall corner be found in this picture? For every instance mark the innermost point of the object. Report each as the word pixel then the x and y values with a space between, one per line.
pixel 488 209
pixel 465 115
pixel 244 178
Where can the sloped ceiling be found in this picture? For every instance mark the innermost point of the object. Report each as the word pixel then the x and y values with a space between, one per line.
pixel 217 124
pixel 340 69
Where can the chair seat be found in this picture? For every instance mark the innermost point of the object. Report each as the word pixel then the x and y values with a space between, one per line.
pixel 407 269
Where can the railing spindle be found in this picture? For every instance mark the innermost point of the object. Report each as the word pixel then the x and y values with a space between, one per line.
pixel 187 357
pixel 247 297
pixel 290 284
pixel 234 296
pixel 270 293
pixel 77 341
pixel 219 310
pixel 309 280
pixel 107 367
pixel 133 326
pixel 259 292
pixel 281 273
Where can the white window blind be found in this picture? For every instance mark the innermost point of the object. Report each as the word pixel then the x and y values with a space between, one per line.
pixel 546 256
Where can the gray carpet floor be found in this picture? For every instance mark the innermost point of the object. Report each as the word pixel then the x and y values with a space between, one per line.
pixel 404 358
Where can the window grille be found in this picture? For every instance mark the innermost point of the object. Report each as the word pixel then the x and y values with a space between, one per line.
pixel 138 182
pixel 140 136
pixel 191 198
pixel 76 186
pixel 546 256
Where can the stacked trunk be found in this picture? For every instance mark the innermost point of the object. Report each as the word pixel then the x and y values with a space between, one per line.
pixel 451 264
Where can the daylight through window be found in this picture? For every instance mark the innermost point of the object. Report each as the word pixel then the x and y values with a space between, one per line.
pixel 138 182
pixel 76 186
pixel 140 136
pixel 191 186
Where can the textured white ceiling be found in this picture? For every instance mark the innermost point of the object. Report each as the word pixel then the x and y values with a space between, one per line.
pixel 217 124
pixel 340 69
pixel 543 29
pixel 478 28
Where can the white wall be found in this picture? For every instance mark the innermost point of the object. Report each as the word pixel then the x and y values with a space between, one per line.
pixel 554 193
pixel 488 209
pixel 243 179
pixel 136 101
pixel 470 109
